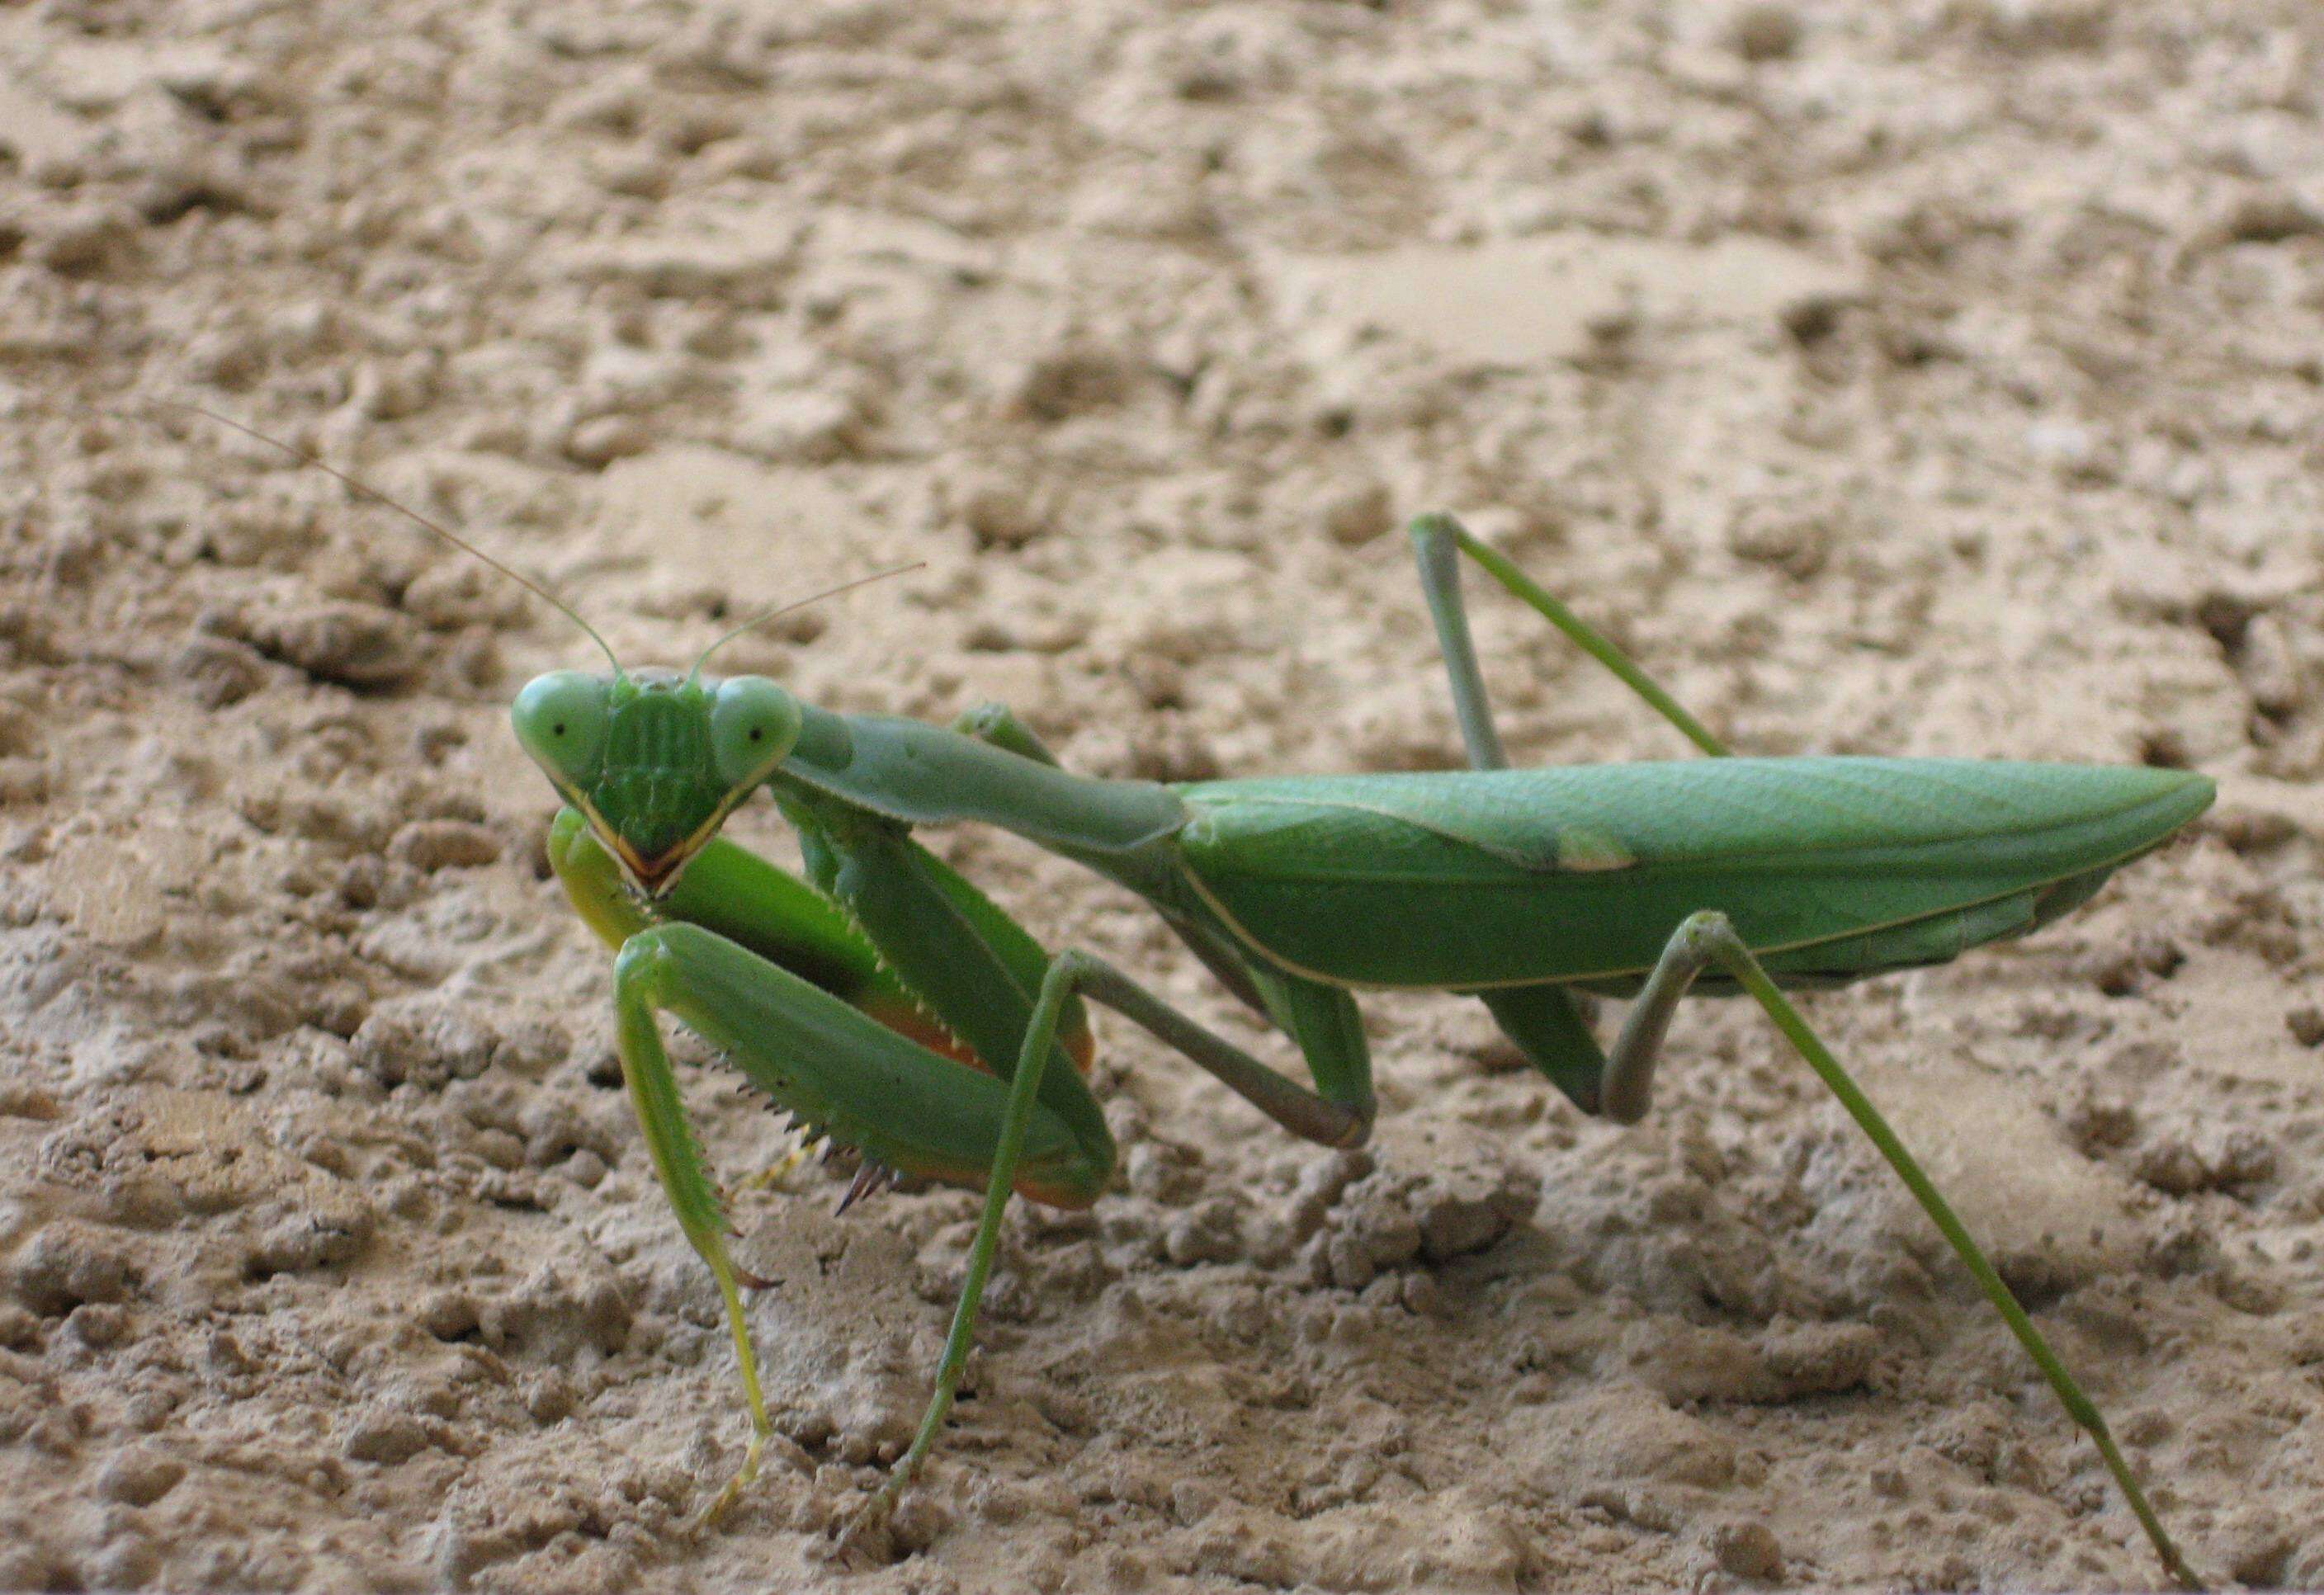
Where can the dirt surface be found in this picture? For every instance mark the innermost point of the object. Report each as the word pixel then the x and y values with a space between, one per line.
pixel 1937 377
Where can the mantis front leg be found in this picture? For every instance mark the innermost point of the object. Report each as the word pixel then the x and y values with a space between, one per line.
pixel 933 1055
pixel 677 1164
pixel 903 1106
pixel 772 972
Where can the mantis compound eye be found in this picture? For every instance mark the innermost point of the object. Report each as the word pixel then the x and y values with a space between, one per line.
pixel 561 719
pixel 754 725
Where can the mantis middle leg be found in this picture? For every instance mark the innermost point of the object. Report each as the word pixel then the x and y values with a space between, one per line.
pixel 1321 1020
pixel 1071 974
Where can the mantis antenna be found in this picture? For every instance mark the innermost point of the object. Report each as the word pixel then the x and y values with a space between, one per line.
pixel 357 485
pixel 764 616
pixel 415 517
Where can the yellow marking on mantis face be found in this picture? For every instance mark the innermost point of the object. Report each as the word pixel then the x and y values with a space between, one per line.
pixel 1585 852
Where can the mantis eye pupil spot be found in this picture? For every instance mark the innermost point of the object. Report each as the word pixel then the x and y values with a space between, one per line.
pixel 757 733
pixel 558 728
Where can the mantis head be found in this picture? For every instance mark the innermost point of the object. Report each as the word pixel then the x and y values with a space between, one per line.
pixel 655 761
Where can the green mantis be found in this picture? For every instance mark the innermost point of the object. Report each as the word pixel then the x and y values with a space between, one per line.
pixel 895 1010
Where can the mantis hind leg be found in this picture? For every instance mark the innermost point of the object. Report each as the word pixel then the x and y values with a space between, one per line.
pixel 1545 1024
pixel 1542 1021
pixel 1436 539
pixel 1707 940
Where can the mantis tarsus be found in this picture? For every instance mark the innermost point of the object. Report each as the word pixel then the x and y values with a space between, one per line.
pixel 894 1008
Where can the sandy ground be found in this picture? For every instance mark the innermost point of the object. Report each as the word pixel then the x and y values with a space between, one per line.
pixel 1938 377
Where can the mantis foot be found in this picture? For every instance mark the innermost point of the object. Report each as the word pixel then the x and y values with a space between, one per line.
pixel 743 1478
pixel 729 1282
pixel 869 1530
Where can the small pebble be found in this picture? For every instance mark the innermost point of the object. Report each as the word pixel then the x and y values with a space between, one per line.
pixel 810 425
pixel 2181 1166
pixel 2256 1545
pixel 2276 216
pixel 1207 1233
pixel 66 1264
pixel 217 671
pixel 305 1241
pixel 349 643
pixel 1160 1171
pixel 84 242
pixel 140 1475
pixel 129 1562
pixel 1422 1295
pixel 1069 382
pixel 601 440
pixel 98 1325
pixel 430 845
pixel 550 1397
pixel 1766 31
pixel 148 1410
pixel 386 1437
pixel 1347 1262
pixel 2307 1025
pixel 1003 514
pixel 1358 515
pixel 1749 1551
pixel 919 1517
pixel 447 1315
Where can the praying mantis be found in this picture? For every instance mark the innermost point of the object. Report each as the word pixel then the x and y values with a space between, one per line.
pixel 894 1008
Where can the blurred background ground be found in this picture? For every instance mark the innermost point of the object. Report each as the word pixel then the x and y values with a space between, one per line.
pixel 1943 376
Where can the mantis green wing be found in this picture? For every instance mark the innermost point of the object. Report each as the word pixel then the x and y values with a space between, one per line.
pixel 1828 868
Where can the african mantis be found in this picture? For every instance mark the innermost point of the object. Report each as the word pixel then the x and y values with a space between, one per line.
pixel 894 1008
